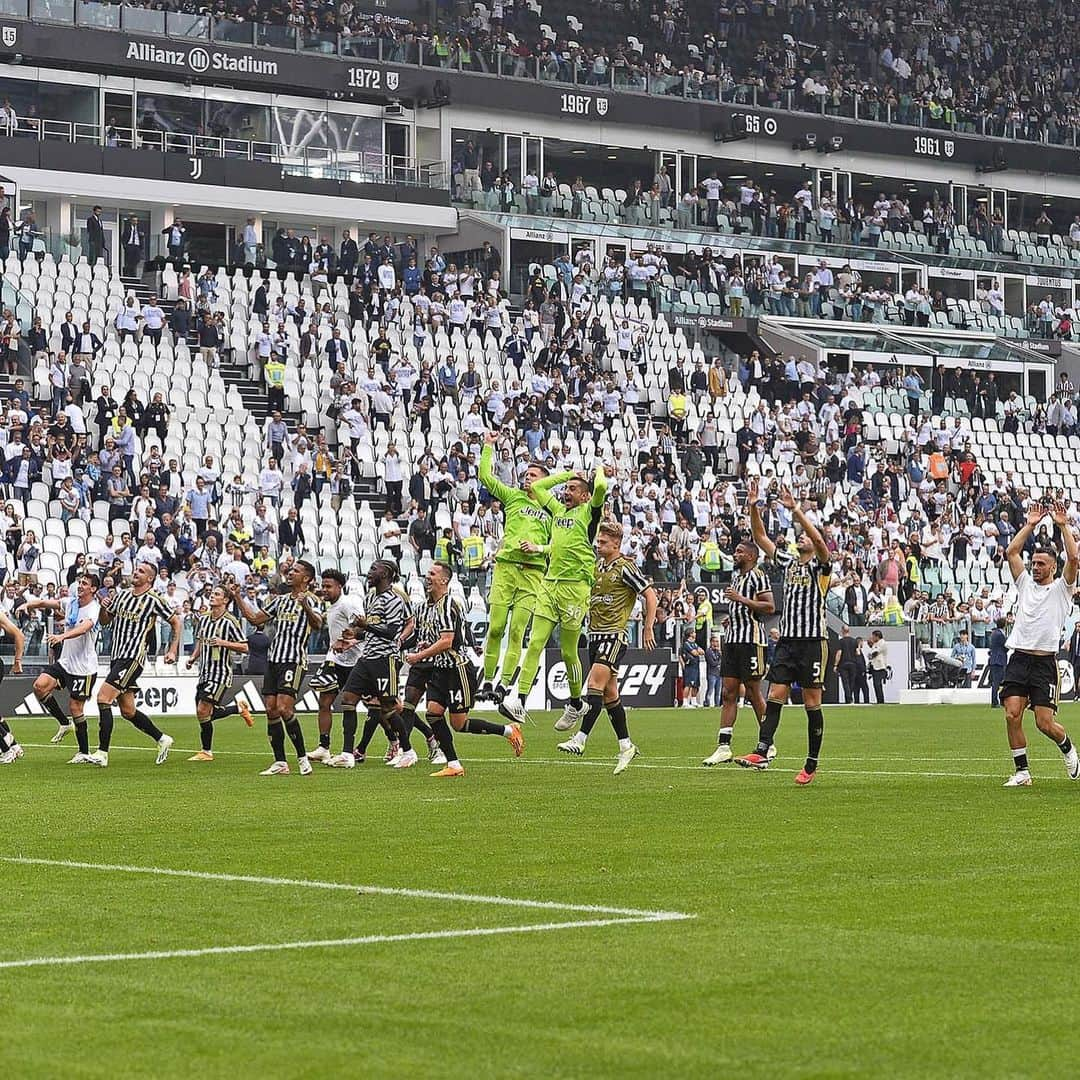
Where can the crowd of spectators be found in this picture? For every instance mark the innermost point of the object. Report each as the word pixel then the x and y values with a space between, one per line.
pixel 893 515
pixel 979 65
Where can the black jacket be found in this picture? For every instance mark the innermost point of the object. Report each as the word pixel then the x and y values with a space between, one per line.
pixel 106 410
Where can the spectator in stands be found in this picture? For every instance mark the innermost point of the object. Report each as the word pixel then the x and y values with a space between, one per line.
pixel 153 320
pixel 131 241
pixel 95 237
pixel 175 241
pixel 210 340
pixel 250 240
pixel 106 409
pixel 291 534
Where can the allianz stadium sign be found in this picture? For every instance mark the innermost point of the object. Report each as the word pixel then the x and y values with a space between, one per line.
pixel 197 59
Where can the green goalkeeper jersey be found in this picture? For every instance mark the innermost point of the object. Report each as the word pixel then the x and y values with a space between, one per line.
pixel 525 519
pixel 572 531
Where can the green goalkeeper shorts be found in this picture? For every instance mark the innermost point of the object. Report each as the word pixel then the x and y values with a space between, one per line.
pixel 515 586
pixel 565 602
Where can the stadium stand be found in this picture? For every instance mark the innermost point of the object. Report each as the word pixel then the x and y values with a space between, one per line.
pixel 575 371
pixel 967 65
pixel 389 377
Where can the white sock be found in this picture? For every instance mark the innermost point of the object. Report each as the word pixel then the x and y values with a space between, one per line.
pixel 455 764
pixel 507 731
pixel 579 737
pixel 625 744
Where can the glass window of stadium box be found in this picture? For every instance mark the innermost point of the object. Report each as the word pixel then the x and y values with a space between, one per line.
pixel 98 15
pixel 60 11
pixel 159 116
pixel 532 248
pixel 55 107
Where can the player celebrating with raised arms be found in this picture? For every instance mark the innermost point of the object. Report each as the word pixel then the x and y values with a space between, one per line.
pixel 567 590
pixel 1043 602
pixel 518 577
pixel 75 669
pixel 295 615
pixel 802 651
pixel 614 593
pixel 219 638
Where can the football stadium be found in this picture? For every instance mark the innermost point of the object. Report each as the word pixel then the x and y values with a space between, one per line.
pixel 637 440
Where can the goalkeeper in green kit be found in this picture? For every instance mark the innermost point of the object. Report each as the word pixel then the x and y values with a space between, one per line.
pixel 567 588
pixel 519 572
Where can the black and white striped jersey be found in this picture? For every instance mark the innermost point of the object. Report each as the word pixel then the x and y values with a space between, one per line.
pixel 746 627
pixel 435 619
pixel 386 612
pixel 805 586
pixel 134 617
pixel 215 662
pixel 291 629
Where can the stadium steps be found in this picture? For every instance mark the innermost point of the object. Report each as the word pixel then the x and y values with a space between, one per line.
pixel 365 493
pixel 253 394
pixel 139 287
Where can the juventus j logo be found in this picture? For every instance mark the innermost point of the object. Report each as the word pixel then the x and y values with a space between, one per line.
pixel 196 168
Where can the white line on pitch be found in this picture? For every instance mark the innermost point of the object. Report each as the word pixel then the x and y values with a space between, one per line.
pixel 641 764
pixel 575 763
pixel 371 939
pixel 372 890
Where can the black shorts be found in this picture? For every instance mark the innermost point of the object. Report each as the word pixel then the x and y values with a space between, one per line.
pixel 1033 677
pixel 330 677
pixel 124 674
pixel 374 679
pixel 419 677
pixel 80 687
pixel 800 660
pixel 607 649
pixel 283 679
pixel 743 662
pixel 212 693
pixel 453 688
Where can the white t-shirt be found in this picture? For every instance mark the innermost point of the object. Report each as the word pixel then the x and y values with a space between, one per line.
pixel 1041 611
pixel 78 656
pixel 338 616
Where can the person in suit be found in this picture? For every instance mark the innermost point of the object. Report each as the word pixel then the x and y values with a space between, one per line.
pixel 998 658
pixel 337 350
pixel 68 333
pixel 107 408
pixel 132 241
pixel 260 304
pixel 87 344
pixel 95 236
pixel 348 254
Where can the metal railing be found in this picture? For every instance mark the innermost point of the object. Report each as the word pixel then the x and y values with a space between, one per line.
pixel 453 52
pixel 361 167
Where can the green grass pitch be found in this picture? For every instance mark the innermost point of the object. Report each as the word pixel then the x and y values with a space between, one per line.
pixel 903 916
